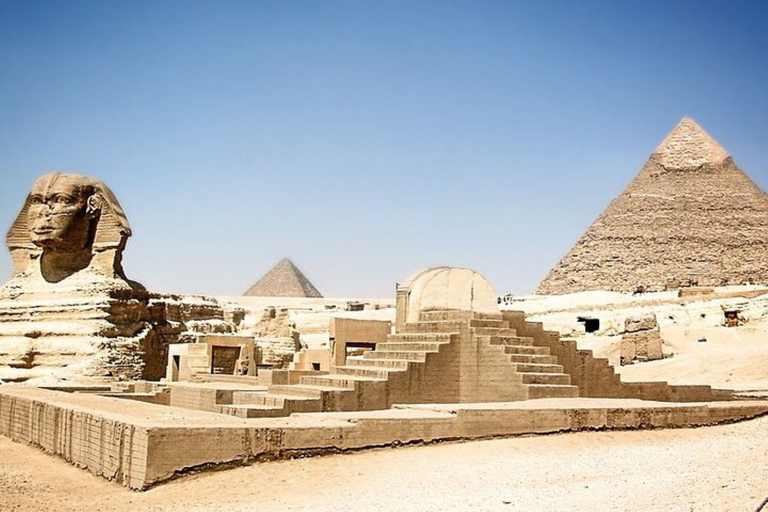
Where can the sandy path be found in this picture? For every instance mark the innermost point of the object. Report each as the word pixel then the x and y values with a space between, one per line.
pixel 721 468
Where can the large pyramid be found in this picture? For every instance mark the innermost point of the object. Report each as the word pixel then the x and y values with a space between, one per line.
pixel 689 217
pixel 284 280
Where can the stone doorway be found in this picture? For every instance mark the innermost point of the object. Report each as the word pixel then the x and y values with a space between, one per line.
pixel 224 360
pixel 176 364
pixel 590 324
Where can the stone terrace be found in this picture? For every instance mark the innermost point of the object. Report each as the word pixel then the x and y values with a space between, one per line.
pixel 447 357
pixel 140 444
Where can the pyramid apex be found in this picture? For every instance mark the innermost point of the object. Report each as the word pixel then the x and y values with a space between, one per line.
pixel 689 146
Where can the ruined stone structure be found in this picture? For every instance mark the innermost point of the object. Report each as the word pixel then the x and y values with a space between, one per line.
pixel 450 373
pixel 641 340
pixel 69 312
pixel 690 217
pixel 453 346
pixel 443 288
pixel 284 280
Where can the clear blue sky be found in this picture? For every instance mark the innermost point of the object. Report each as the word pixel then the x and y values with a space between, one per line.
pixel 366 140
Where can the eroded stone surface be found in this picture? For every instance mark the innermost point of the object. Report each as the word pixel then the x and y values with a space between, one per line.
pixel 690 217
pixel 688 146
pixel 444 288
pixel 69 312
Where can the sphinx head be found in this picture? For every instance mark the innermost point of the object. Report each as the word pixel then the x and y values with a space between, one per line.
pixel 66 221
pixel 63 213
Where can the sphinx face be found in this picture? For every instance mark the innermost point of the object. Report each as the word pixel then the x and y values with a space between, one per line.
pixel 58 216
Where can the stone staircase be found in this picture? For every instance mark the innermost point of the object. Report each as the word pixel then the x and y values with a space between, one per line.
pixel 372 382
pixel 539 370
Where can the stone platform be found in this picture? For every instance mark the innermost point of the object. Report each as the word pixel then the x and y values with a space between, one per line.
pixel 140 444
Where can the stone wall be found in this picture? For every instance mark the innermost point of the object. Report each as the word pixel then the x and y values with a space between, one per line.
pixel 128 442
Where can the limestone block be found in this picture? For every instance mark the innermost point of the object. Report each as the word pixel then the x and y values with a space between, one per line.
pixel 640 323
pixel 640 346
pixel 653 346
pixel 695 291
pixel 628 350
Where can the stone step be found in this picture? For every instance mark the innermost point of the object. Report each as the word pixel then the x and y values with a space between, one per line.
pixel 248 397
pixel 271 400
pixel 253 411
pixel 290 404
pixel 545 378
pixel 418 357
pixel 303 391
pixel 539 368
pixel 525 349
pixel 357 371
pixel 395 364
pixel 222 377
pixel 406 346
pixel 441 337
pixel 495 324
pixel 341 382
pixel 533 358
pixel 453 314
pixel 552 391
pixel 445 316
pixel 444 326
pixel 511 340
pixel 495 331
pixel 293 402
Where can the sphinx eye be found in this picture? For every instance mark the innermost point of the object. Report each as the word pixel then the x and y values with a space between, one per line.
pixel 60 199
pixel 35 200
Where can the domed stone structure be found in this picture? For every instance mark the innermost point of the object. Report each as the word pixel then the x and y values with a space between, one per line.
pixel 444 288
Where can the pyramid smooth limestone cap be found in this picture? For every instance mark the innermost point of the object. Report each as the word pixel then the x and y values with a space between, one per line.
pixel 688 146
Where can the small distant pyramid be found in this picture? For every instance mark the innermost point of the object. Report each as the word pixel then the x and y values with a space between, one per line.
pixel 284 280
pixel 689 217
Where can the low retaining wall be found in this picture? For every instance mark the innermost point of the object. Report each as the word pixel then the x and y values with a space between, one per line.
pixel 140 444
pixel 108 447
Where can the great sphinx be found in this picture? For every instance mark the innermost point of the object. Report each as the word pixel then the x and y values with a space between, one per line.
pixel 68 312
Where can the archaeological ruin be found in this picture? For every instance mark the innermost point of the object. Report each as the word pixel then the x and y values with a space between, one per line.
pixel 69 313
pixel 140 387
pixel 690 217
